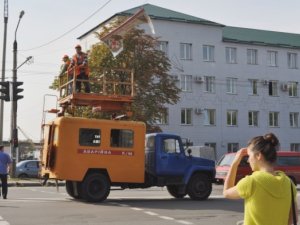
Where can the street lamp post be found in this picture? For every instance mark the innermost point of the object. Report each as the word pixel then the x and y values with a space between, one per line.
pixel 3 65
pixel 14 106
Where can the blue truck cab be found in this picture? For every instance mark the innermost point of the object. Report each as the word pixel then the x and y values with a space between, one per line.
pixel 168 163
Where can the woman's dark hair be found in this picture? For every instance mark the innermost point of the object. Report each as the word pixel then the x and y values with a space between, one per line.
pixel 267 145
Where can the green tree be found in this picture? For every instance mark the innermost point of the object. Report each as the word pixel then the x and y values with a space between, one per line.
pixel 154 87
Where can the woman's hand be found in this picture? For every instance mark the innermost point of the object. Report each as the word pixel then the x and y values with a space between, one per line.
pixel 229 189
pixel 239 155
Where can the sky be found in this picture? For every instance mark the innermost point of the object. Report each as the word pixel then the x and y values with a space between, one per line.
pixel 49 29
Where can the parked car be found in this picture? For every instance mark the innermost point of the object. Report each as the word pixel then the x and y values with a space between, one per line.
pixel 27 169
pixel 288 162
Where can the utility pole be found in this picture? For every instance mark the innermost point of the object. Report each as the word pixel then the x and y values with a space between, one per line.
pixel 3 66
pixel 14 86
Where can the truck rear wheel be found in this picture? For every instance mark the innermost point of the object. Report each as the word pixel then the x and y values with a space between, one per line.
pixel 70 186
pixel 95 187
pixel 199 187
pixel 174 191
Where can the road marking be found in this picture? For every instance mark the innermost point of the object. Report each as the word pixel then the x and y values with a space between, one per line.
pixel 184 222
pixel 137 209
pixel 2 222
pixel 166 218
pixel 37 200
pixel 151 213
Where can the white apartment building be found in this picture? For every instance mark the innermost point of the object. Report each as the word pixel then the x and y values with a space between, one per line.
pixel 236 82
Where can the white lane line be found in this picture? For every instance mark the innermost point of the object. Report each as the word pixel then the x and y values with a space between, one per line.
pixel 151 213
pixel 2 222
pixel 184 222
pixel 166 218
pixel 37 200
pixel 137 209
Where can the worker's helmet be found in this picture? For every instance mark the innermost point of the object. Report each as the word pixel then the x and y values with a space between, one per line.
pixel 78 46
pixel 65 57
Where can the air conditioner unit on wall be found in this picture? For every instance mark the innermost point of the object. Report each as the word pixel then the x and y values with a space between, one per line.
pixel 284 87
pixel 264 82
pixel 198 111
pixel 198 79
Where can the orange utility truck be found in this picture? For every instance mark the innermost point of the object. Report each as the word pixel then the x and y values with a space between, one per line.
pixel 93 155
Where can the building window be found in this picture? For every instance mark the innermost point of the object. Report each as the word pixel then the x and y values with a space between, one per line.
pixel 294 119
pixel 186 116
pixel 211 145
pixel 253 118
pixel 186 51
pixel 209 84
pixel 186 82
pixel 163 46
pixel 253 87
pixel 252 56
pixel 231 55
pixel 210 117
pixel 232 147
pixel 293 89
pixel 273 119
pixel 272 58
pixel 232 117
pixel 208 53
pixel 295 147
pixel 273 88
pixel 231 85
pixel 163 117
pixel 292 60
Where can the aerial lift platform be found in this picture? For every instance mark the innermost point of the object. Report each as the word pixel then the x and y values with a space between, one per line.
pixel 112 91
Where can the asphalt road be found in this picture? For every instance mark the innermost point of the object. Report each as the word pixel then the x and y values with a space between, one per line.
pixel 46 206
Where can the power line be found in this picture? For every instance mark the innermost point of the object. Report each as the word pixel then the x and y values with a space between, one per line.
pixel 69 31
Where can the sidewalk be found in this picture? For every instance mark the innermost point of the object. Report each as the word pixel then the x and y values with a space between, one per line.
pixel 32 183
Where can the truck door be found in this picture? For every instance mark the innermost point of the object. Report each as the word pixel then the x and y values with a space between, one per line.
pixel 172 160
pixel 49 146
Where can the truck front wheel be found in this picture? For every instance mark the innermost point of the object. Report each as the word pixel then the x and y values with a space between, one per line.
pixel 199 187
pixel 174 191
pixel 95 187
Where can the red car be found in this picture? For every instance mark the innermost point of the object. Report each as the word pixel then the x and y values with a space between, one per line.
pixel 288 162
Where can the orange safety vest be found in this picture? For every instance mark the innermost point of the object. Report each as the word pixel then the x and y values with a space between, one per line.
pixel 79 61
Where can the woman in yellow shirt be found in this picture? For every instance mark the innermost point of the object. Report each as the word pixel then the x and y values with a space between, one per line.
pixel 267 193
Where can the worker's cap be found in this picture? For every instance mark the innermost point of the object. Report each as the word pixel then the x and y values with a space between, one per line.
pixel 78 46
pixel 65 57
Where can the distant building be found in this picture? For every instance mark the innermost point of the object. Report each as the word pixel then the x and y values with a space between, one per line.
pixel 236 82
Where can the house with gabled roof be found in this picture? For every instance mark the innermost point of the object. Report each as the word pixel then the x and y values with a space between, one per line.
pixel 236 82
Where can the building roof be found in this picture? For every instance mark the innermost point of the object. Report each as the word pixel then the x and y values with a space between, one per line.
pixel 261 37
pixel 159 13
pixel 230 34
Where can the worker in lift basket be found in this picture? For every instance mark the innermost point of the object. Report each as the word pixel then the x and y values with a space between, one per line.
pixel 80 64
pixel 65 68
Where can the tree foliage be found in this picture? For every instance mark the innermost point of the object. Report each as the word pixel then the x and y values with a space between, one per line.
pixel 154 87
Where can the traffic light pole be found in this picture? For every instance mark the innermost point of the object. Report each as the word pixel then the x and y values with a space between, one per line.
pixel 14 99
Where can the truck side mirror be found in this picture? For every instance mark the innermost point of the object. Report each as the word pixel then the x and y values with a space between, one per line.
pixel 189 151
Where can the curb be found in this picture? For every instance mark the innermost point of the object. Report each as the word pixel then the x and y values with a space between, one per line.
pixel 34 184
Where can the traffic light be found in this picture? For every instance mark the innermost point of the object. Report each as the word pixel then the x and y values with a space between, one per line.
pixel 4 90
pixel 17 90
